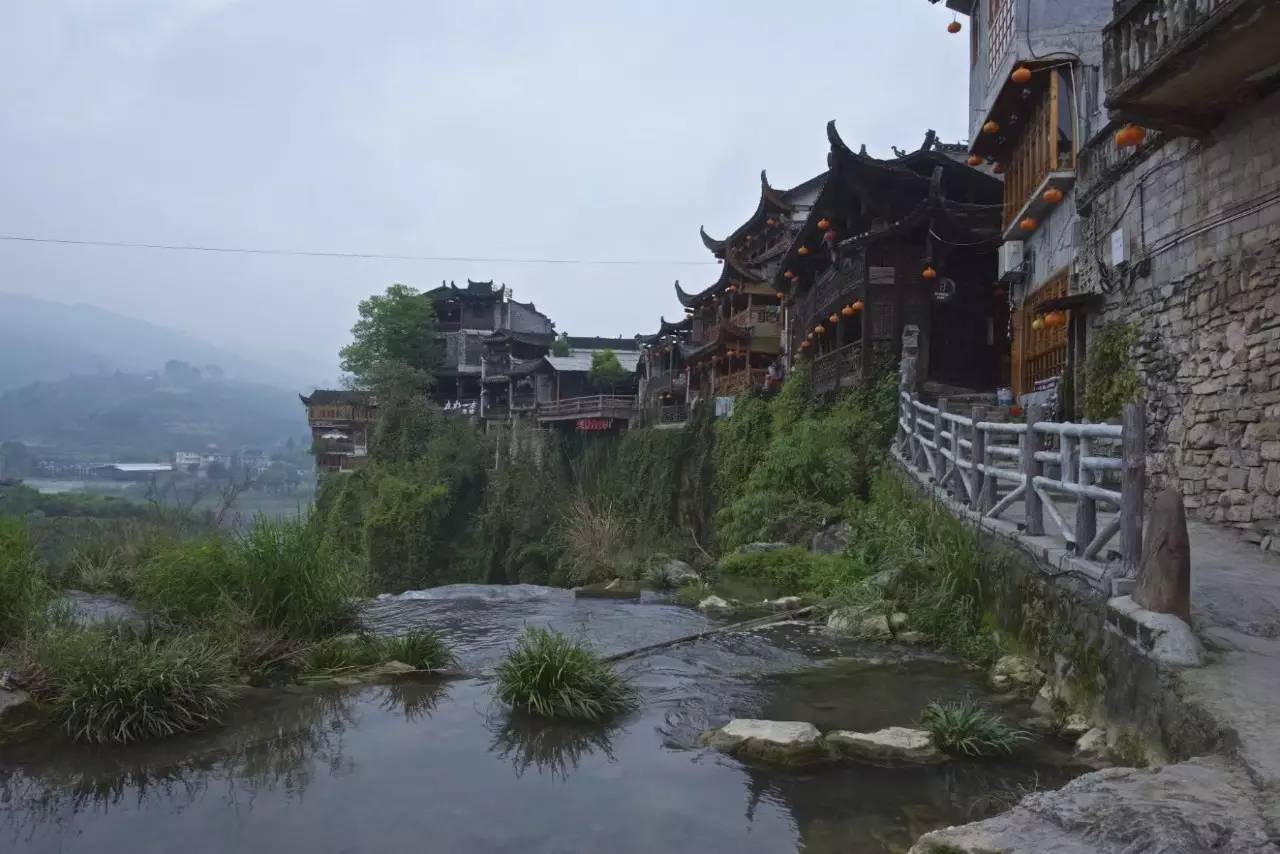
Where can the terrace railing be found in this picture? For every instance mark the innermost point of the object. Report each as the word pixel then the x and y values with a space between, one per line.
pixel 831 368
pixel 1038 467
pixel 590 406
pixel 1143 32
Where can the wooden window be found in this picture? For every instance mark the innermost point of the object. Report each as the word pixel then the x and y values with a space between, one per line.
pixel 1047 145
pixel 1038 354
pixel 1000 20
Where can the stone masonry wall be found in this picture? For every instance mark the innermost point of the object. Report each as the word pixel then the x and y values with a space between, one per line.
pixel 1201 221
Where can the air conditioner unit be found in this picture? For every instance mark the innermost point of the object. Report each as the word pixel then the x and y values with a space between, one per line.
pixel 1010 258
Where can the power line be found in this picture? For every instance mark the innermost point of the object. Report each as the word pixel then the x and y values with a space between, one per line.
pixel 378 256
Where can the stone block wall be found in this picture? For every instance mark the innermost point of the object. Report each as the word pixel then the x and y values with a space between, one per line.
pixel 1201 222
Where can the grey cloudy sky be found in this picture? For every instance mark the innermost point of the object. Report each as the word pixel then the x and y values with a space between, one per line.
pixel 480 129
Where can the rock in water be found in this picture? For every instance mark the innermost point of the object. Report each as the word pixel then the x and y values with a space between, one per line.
pixel 831 540
pixel 860 624
pixel 789 742
pixel 1018 674
pixel 894 744
pixel 1190 807
pixel 1164 580
pixel 679 572
pixel 713 603
pixel 13 704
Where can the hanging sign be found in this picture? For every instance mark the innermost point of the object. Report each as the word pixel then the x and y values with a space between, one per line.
pixel 589 425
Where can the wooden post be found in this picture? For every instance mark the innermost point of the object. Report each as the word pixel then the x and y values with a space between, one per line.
pixel 1133 485
pixel 979 439
pixel 1068 457
pixel 913 418
pixel 1086 508
pixel 1031 443
pixel 938 426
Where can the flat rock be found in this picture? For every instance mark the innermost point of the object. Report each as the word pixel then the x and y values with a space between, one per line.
pixel 1016 673
pixel 1075 726
pixel 912 637
pixel 860 624
pixel 784 602
pixel 1191 807
pixel 713 603
pixel 893 744
pixel 788 742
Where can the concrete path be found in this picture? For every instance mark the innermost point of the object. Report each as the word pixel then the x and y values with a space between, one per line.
pixel 1235 609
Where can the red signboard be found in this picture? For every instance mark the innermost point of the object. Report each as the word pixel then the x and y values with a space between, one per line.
pixel 587 425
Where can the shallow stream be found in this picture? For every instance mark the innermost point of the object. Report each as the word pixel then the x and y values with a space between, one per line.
pixel 438 767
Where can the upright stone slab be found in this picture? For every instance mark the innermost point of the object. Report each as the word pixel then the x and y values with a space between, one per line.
pixel 1164 580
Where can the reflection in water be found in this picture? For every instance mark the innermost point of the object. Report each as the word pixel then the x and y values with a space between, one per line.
pixel 552 748
pixel 414 700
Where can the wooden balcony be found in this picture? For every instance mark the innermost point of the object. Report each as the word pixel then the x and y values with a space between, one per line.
pixel 837 368
pixel 1181 65
pixel 591 406
pixel 833 288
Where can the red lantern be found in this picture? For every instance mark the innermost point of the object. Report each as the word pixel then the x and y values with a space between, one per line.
pixel 830 236
pixel 857 305
pixel 824 224
pixel 998 168
pixel 803 250
pixel 819 330
pixel 991 127
pixel 788 275
pixel 770 222
pixel 731 288
pixel 974 160
pixel 780 295
pixel 953 27
pixel 1015 411
pixel 1021 74
pixel 1130 135
pixel 804 345
pixel 929 273
pixel 1052 195
pixel 1028 225
pixel 848 311
pixel 834 318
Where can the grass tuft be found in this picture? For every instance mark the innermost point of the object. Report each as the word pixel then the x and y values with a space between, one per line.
pixel 24 591
pixel 965 728
pixel 424 650
pixel 112 683
pixel 551 676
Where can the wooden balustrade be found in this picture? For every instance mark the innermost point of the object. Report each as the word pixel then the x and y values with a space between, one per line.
pixel 1143 32
pixel 996 466
pixel 830 369
pixel 590 406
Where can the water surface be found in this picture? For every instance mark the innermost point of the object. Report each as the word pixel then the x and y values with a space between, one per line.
pixel 436 766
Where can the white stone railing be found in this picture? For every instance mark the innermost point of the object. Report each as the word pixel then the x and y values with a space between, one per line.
pixel 1143 32
pixel 997 466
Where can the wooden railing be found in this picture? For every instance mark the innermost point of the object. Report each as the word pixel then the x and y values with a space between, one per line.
pixel 524 400
pixel 595 405
pixel 1143 32
pixel 830 368
pixel 831 288
pixel 665 382
pixel 996 466
pixel 1000 31
pixel 677 413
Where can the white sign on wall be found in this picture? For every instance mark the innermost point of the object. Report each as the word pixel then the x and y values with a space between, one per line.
pixel 1118 248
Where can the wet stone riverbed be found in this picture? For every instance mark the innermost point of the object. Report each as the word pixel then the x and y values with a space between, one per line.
pixel 436 766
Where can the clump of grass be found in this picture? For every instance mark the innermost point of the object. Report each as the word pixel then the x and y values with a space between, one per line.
pixel 112 683
pixel 964 727
pixel 549 675
pixel 110 560
pixel 24 590
pixel 597 540
pixel 424 650
pixel 279 572
pixel 691 594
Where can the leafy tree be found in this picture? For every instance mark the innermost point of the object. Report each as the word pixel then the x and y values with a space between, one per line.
pixel 606 370
pixel 394 341
pixel 560 346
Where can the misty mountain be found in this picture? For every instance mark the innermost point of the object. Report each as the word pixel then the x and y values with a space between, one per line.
pixel 148 415
pixel 42 340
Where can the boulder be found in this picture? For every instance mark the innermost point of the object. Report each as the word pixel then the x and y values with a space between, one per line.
pixel 898 621
pixel 893 744
pixel 1046 701
pixel 788 742
pixel 784 603
pixel 677 571
pixel 1194 806
pixel 913 638
pixel 714 603
pixel 831 540
pixel 1075 726
pixel 1018 674
pixel 1092 746
pixel 758 548
pixel 13 705
pixel 860 624
pixel 1164 578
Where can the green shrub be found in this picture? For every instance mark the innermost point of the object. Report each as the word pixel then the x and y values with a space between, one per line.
pixel 1111 378
pixel 551 676
pixel 279 572
pixel 741 440
pixel 24 591
pixel 965 728
pixel 341 653
pixel 791 570
pixel 112 684
pixel 425 650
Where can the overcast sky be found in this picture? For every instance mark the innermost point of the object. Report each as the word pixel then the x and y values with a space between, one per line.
pixel 569 130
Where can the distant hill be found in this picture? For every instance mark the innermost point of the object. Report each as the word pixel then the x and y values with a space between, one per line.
pixel 42 340
pixel 148 415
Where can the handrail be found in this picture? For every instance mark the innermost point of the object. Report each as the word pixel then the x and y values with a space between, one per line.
pixel 588 405
pixel 959 453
